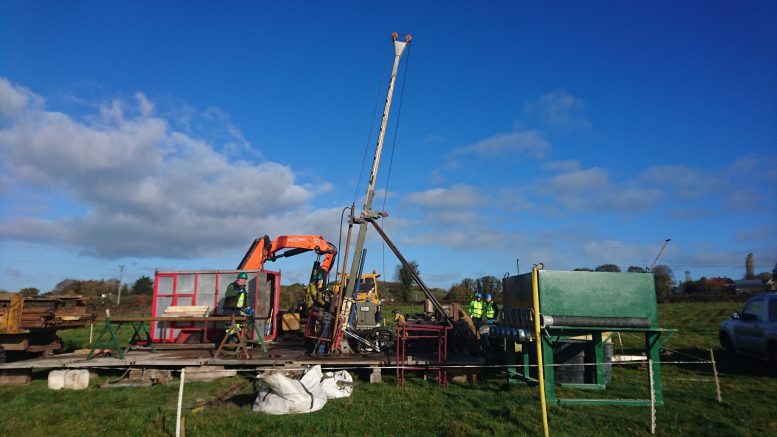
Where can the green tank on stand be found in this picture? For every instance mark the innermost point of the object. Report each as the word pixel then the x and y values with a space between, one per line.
pixel 575 304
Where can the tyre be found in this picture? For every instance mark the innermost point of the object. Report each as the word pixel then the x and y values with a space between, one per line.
pixel 773 354
pixel 725 341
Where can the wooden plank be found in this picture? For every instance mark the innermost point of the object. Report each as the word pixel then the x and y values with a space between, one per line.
pixel 15 377
pixel 186 308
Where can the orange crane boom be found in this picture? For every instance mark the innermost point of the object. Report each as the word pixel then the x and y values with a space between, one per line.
pixel 262 249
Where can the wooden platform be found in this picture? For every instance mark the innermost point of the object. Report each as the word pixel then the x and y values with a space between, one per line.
pixel 276 356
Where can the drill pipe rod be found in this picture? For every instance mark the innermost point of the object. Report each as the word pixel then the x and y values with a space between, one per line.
pixel 419 281
pixel 659 253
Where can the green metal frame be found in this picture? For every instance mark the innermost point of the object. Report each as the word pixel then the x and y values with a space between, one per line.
pixel 586 294
pixel 140 333
pixel 654 340
pixel 242 340
pixel 516 371
pixel 259 339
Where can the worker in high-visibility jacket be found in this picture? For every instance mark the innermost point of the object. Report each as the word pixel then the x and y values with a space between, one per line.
pixel 476 307
pixel 236 301
pixel 398 316
pixel 490 309
pixel 315 295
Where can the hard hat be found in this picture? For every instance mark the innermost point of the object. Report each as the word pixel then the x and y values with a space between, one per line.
pixel 242 275
pixel 478 295
pixel 395 311
pixel 488 295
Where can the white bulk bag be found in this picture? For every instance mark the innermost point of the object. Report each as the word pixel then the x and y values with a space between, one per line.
pixel 337 384
pixel 283 395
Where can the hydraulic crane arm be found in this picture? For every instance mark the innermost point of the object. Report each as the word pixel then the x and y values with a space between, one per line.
pixel 262 249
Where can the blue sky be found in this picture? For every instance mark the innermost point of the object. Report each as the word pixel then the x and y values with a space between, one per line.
pixel 171 134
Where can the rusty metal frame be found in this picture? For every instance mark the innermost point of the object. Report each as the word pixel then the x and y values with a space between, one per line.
pixel 412 331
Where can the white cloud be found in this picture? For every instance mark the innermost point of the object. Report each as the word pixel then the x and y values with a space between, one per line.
pixel 141 188
pixel 747 199
pixel 559 110
pixel 463 237
pixel 580 181
pixel 16 100
pixel 758 167
pixel 685 182
pixel 530 144
pixel 144 105
pixel 562 166
pixel 512 199
pixel 457 196
pixel 607 251
pixel 591 190
pixel 758 234
pixel 433 139
pixel 456 217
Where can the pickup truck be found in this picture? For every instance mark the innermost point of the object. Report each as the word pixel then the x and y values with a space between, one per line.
pixel 753 332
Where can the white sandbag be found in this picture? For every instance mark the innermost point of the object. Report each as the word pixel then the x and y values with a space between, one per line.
pixel 57 379
pixel 337 384
pixel 77 379
pixel 283 395
pixel 69 379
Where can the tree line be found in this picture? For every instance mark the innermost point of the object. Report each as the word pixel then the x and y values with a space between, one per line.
pixel 94 288
pixel 404 288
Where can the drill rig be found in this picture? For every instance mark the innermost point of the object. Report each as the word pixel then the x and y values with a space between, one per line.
pixel 331 327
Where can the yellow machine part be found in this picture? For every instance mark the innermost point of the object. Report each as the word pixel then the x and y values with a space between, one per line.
pixel 372 294
pixel 290 322
pixel 363 296
pixel 11 320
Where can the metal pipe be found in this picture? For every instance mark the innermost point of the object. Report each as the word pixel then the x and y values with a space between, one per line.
pixel 355 294
pixel 659 253
pixel 600 322
pixel 535 277
pixel 337 303
pixel 437 305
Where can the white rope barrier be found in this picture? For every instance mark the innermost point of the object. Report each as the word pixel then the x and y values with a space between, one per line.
pixel 256 373
pixel 394 366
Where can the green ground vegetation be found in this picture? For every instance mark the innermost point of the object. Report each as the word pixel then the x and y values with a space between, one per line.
pixel 489 407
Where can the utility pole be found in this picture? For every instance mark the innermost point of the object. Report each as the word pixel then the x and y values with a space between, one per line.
pixel 118 294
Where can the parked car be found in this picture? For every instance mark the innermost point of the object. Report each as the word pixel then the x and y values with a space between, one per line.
pixel 753 332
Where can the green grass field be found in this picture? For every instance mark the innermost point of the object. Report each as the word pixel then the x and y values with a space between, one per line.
pixel 490 407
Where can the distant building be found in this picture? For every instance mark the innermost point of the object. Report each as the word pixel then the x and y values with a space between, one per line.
pixel 749 285
pixel 722 284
